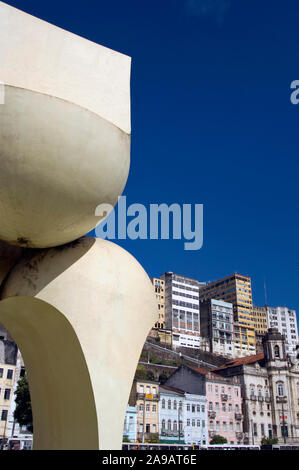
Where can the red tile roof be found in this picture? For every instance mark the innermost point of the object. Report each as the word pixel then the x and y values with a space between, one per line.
pixel 172 389
pixel 242 360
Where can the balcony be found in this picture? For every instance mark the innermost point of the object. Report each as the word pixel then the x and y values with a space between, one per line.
pixel 224 397
pixel 260 398
pixel 267 399
pixel 281 399
pixel 238 416
pixel 169 433
pixel 253 397
pixel 212 414
pixel 147 396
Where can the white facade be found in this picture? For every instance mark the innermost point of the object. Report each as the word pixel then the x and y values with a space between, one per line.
pixel 171 411
pixel 195 419
pixel 285 321
pixel 182 309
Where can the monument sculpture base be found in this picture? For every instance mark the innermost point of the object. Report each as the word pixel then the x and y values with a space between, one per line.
pixel 80 314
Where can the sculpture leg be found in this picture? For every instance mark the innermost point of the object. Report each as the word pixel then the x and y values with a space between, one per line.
pixel 99 303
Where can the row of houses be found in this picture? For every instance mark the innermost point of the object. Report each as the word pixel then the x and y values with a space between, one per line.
pixel 244 401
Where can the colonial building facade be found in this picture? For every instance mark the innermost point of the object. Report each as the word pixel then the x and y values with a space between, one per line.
pixel 270 391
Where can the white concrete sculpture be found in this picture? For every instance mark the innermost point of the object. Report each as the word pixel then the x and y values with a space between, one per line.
pixel 78 308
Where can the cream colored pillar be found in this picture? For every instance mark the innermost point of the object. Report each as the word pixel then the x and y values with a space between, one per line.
pixel 80 315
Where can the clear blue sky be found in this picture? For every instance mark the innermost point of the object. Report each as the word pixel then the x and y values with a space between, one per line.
pixel 212 123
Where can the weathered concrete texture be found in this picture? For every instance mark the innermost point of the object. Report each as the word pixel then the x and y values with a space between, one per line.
pixel 91 310
pixel 58 163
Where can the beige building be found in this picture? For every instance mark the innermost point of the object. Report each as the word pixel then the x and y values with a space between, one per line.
pixel 145 396
pixel 159 287
pixel 260 319
pixel 235 289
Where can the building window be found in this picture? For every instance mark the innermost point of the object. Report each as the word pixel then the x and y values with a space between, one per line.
pixel 188 407
pixel 147 408
pixel 174 405
pixel 188 422
pixel 169 425
pixel 163 404
pixel 4 415
pixel 202 408
pixel 280 390
pixel 154 428
pixel 276 351
pixel 169 404
pixel 1 373
pixel 163 423
pixel 193 422
pixel 224 426
pixel 217 425
pixel 7 394
pixel 198 423
pixel 141 389
pixel 9 373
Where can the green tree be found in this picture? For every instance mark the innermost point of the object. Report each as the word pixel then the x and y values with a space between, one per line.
pixel 23 411
pixel 217 439
pixel 269 441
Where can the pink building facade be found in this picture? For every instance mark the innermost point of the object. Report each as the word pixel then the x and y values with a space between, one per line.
pixel 224 403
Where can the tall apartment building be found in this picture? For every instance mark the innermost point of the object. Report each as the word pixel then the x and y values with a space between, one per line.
pixel 216 325
pixel 159 287
pixel 285 321
pixel 260 323
pixel 235 289
pixel 182 309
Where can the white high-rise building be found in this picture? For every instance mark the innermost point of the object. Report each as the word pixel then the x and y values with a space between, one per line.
pixel 285 321
pixel 182 309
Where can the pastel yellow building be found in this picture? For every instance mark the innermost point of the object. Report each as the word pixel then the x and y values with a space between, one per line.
pixel 7 375
pixel 244 340
pixel 260 319
pixel 145 396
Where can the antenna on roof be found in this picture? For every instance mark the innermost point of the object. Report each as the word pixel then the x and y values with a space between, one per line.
pixel 265 290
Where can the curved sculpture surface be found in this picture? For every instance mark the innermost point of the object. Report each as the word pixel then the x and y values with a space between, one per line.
pixel 99 295
pixel 78 308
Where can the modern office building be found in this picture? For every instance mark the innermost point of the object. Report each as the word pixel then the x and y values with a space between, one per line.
pixel 260 323
pixel 244 340
pixel 285 320
pixel 235 289
pixel 182 309
pixel 216 325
